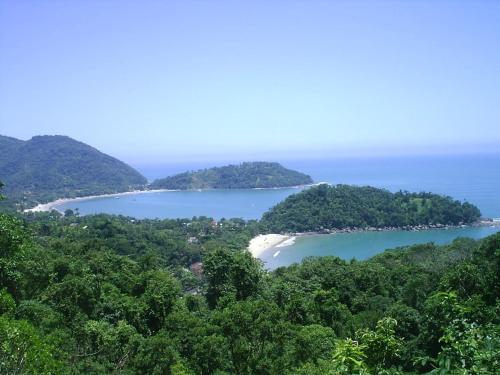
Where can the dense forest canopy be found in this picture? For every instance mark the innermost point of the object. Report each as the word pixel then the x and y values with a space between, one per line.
pixel 343 206
pixel 45 168
pixel 104 294
pixel 243 176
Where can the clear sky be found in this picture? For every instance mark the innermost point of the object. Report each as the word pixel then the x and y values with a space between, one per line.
pixel 200 80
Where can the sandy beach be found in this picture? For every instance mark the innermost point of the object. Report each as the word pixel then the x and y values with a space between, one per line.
pixel 54 204
pixel 263 242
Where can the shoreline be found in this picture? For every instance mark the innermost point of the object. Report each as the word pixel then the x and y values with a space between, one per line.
pixel 52 205
pixel 409 228
pixel 263 242
pixel 49 206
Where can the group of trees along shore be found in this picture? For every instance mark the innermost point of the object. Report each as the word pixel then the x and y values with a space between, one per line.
pixel 108 294
pixel 345 206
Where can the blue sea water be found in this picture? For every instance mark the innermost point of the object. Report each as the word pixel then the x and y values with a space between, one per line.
pixel 475 178
pixel 472 178
pixel 363 245
pixel 244 203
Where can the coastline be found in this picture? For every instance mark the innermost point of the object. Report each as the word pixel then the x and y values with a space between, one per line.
pixel 411 228
pixel 49 206
pixel 263 242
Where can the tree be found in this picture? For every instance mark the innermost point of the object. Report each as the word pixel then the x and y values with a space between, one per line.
pixel 314 343
pixel 23 351
pixel 349 358
pixel 160 294
pixel 232 274
pixel 12 245
pixel 382 347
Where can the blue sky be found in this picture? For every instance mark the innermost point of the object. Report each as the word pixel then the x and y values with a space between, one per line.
pixel 201 80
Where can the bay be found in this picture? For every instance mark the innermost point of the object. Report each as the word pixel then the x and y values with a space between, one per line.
pixel 228 203
pixel 475 178
pixel 472 178
pixel 363 245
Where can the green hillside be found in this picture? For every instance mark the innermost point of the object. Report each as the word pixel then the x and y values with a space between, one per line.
pixel 49 167
pixel 344 206
pixel 243 176
pixel 109 295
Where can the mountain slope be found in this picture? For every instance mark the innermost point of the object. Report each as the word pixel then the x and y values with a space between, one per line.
pixel 49 167
pixel 243 176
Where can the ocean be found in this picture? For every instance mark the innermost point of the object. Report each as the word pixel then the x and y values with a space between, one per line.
pixel 472 178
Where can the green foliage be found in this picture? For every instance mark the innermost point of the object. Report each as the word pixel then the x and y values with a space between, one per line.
pixel 50 167
pixel 468 348
pixel 103 294
pixel 12 245
pixel 7 303
pixel 314 343
pixel 243 176
pixel 349 358
pixel 382 347
pixel 325 207
pixel 22 351
pixel 159 293
pixel 231 274
pixel 259 337
pixel 465 347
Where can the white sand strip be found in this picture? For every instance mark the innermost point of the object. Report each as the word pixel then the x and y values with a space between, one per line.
pixel 54 204
pixel 263 242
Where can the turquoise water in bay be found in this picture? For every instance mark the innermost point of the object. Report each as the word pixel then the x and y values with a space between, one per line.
pixel 472 178
pixel 363 245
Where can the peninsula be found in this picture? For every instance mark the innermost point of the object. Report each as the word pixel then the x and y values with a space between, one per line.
pixel 324 208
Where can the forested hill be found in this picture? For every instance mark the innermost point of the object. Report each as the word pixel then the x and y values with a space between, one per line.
pixel 344 206
pixel 243 176
pixel 111 295
pixel 50 167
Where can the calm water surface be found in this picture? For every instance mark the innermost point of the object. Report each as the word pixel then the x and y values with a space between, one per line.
pixel 247 204
pixel 472 178
pixel 363 245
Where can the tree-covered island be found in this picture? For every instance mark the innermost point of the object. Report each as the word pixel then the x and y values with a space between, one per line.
pixel 246 175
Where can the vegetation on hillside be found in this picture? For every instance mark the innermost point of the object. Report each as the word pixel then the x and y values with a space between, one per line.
pixel 343 206
pixel 50 167
pixel 104 294
pixel 243 176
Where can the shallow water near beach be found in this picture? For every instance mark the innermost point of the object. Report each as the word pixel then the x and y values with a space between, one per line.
pixel 363 245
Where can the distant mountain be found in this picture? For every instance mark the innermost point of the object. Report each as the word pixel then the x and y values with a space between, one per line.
pixel 243 176
pixel 50 167
pixel 325 207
